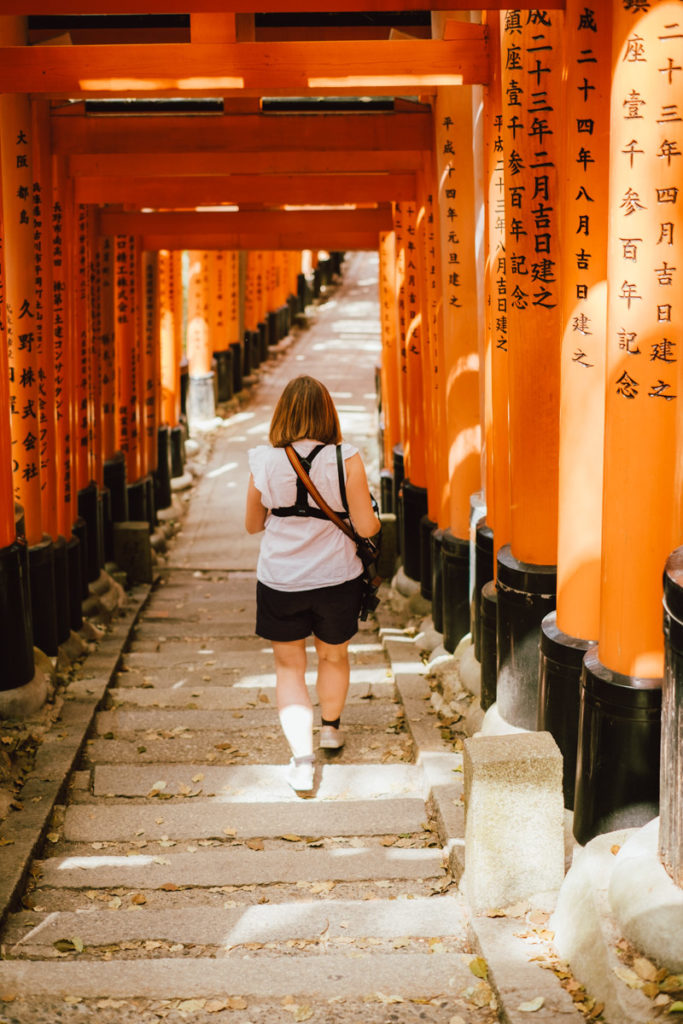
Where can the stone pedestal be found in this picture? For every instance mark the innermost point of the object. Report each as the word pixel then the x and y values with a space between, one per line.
pixel 514 818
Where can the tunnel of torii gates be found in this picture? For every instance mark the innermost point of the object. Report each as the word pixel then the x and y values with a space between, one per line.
pixel 520 172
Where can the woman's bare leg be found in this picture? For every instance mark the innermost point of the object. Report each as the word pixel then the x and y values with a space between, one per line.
pixel 333 678
pixel 293 701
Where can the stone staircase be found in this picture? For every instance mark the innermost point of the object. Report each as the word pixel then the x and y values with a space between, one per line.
pixel 183 879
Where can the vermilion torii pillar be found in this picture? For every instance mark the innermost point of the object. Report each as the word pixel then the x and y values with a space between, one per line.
pixel 201 404
pixel 15 623
pixel 617 774
pixel 413 505
pixel 389 370
pixel 568 633
pixel 456 205
pixel 532 135
pixel 494 531
pixel 24 337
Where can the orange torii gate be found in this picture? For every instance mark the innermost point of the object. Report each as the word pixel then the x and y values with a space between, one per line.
pixel 555 314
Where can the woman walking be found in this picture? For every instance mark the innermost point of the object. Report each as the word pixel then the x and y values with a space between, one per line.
pixel 308 572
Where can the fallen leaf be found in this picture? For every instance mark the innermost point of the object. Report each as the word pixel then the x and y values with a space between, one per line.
pixel 645 969
pixel 169 887
pixel 8 842
pixel 191 1005
pixel 138 898
pixel 72 1000
pixel 230 831
pixel 264 698
pixel 237 1003
pixel 479 967
pixel 199 777
pixel 8 997
pixel 53 837
pixel 676 1007
pixel 628 976
pixel 532 1005
pixel 388 840
pixel 400 943
pixel 292 838
pixel 255 844
pixel 672 983
pixel 651 989
pixel 615 849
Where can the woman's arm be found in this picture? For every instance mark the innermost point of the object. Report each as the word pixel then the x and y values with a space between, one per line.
pixel 256 512
pixel 362 515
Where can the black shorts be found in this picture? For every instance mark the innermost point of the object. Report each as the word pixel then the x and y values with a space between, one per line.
pixel 330 613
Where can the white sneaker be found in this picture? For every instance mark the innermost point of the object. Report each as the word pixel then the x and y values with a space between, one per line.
pixel 331 738
pixel 300 772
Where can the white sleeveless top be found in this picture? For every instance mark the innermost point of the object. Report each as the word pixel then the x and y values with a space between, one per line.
pixel 297 552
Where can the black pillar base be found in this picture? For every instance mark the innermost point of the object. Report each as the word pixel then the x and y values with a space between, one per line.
pixel 559 695
pixel 671 780
pixel 427 526
pixel 162 474
pixel 184 385
pixel 151 504
pixel 74 564
pixel 90 509
pixel 273 327
pixel 237 363
pixel 246 355
pixel 399 471
pixel 488 639
pixel 386 491
pixel 414 508
pixel 177 453
pixel 80 530
pixel 455 558
pixel 263 340
pixel 436 541
pixel 107 524
pixel 224 375
pixel 16 628
pixel 138 507
pixel 302 292
pixel 618 756
pixel 483 572
pixel 526 593
pixel 62 589
pixel 115 482
pixel 41 566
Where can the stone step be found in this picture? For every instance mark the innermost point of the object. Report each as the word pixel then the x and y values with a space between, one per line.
pixel 256 674
pixel 366 746
pixel 194 607
pixel 226 698
pixel 330 975
pixel 214 926
pixel 238 626
pixel 213 819
pixel 235 652
pixel 379 714
pixel 257 783
pixel 239 866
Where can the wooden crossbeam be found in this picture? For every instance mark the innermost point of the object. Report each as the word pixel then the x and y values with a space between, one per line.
pixel 270 190
pixel 246 133
pixel 342 241
pixel 208 69
pixel 258 222
pixel 156 165
pixel 246 6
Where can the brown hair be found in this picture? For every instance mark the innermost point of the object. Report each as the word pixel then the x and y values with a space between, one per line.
pixel 304 409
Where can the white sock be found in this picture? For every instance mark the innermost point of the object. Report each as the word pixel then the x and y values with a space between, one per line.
pixel 297 725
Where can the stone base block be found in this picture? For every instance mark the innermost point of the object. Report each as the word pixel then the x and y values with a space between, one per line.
pixel 23 701
pixel 133 551
pixel 514 832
